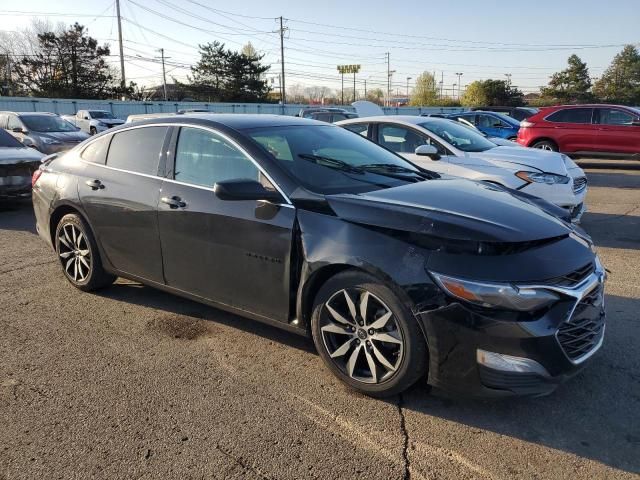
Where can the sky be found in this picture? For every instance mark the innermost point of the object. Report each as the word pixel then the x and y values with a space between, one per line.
pixel 480 39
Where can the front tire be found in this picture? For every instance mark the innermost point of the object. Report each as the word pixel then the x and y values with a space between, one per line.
pixel 366 336
pixel 545 145
pixel 93 130
pixel 78 254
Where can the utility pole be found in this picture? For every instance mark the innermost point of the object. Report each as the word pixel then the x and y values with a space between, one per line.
pixel 508 75
pixel 123 82
pixel 459 75
pixel 282 89
pixel 365 88
pixel 342 88
pixel 441 84
pixel 164 76
pixel 388 78
pixel 7 77
pixel 408 78
pixel 354 85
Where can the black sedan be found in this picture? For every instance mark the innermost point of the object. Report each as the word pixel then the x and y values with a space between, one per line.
pixel 17 164
pixel 397 273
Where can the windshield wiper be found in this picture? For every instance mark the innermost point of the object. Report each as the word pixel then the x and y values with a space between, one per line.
pixel 391 168
pixel 330 163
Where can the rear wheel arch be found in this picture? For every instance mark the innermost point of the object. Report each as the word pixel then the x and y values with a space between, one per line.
pixel 59 212
pixel 544 139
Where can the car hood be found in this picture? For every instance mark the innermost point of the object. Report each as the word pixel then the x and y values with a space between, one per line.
pixel 12 156
pixel 110 121
pixel 65 137
pixel 517 157
pixel 451 208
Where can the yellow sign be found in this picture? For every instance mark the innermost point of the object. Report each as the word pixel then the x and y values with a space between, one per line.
pixel 348 68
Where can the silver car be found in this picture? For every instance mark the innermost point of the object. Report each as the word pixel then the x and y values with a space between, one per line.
pixel 46 132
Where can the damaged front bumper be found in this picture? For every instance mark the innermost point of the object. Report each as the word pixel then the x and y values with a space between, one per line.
pixel 487 354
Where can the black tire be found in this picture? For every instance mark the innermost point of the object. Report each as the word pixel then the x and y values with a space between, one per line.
pixel 409 360
pixel 92 130
pixel 545 145
pixel 512 139
pixel 79 256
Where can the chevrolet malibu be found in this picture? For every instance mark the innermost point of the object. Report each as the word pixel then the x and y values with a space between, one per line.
pixel 397 273
pixel 446 146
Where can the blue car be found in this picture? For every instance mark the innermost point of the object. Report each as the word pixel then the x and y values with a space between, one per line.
pixel 493 124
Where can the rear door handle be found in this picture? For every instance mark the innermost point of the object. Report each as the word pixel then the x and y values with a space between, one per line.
pixel 173 202
pixel 94 184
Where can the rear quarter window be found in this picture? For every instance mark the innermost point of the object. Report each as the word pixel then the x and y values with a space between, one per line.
pixel 571 115
pixel 96 151
pixel 137 150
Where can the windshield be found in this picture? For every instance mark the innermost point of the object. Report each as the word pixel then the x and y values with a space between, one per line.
pixel 7 140
pixel 507 119
pixel 328 159
pixel 47 123
pixel 100 114
pixel 461 137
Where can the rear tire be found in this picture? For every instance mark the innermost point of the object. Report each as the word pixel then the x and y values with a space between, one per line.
pixel 92 130
pixel 366 336
pixel 79 256
pixel 546 145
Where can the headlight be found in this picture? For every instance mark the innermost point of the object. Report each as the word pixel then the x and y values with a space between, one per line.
pixel 537 177
pixel 50 141
pixel 496 295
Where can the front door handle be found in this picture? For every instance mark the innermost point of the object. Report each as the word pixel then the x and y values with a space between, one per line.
pixel 94 184
pixel 173 202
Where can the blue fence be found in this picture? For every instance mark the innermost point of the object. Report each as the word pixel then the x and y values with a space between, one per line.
pixel 122 109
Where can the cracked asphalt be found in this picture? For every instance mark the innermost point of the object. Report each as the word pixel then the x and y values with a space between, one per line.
pixel 134 383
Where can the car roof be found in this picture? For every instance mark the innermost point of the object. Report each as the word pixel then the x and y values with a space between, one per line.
pixel 410 119
pixel 237 121
pixel 32 113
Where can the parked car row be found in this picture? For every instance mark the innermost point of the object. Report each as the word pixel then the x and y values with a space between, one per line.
pixel 346 234
pixel 448 147
pixel 93 121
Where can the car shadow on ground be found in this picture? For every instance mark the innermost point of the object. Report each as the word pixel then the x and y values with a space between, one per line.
pixel 614 230
pixel 138 294
pixel 17 215
pixel 594 415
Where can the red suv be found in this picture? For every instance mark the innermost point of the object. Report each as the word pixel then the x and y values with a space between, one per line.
pixel 583 129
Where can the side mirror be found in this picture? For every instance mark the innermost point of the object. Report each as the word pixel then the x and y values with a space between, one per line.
pixel 18 130
pixel 428 151
pixel 245 190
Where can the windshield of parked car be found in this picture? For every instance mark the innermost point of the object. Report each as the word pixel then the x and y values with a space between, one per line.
pixel 460 136
pixel 328 159
pixel 100 114
pixel 7 140
pixel 507 119
pixel 46 123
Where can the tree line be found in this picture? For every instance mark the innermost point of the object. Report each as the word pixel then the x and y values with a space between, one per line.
pixel 68 63
pixel 619 84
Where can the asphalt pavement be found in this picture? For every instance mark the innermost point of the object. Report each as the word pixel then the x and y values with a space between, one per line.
pixel 131 382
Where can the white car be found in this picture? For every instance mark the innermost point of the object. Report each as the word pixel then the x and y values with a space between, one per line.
pixel 445 146
pixel 93 121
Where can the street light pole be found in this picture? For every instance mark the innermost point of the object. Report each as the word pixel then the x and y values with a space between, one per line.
pixel 459 74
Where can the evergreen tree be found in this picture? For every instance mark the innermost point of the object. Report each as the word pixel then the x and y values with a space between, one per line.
pixel 571 85
pixel 620 83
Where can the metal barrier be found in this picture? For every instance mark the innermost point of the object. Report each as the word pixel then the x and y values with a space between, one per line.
pixel 122 109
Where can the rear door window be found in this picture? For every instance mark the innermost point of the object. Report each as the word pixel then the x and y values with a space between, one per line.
pixel 571 115
pixel 137 150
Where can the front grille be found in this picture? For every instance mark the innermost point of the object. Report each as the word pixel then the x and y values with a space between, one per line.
pixel 579 184
pixel 583 331
pixel 573 278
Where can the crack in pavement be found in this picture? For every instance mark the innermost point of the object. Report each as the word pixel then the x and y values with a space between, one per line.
pixel 405 436
pixel 238 461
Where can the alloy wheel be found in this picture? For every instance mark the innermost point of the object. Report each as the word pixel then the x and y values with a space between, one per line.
pixel 362 336
pixel 545 146
pixel 74 252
